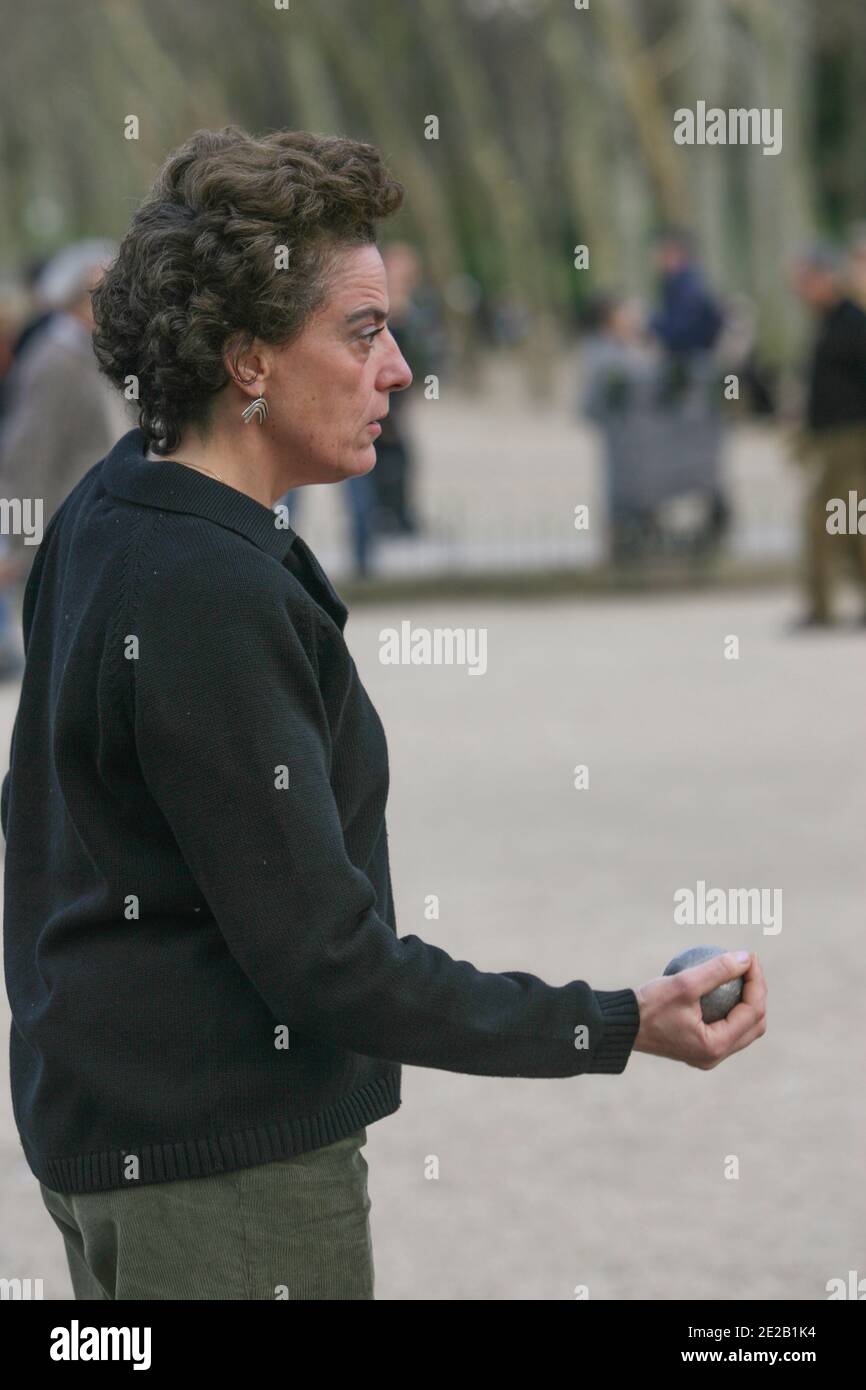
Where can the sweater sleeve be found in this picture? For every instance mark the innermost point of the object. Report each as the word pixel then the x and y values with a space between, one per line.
pixel 227 695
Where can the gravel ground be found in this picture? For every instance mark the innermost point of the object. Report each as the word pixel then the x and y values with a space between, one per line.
pixel 739 773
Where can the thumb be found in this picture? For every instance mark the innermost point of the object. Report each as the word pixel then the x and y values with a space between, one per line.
pixel 705 977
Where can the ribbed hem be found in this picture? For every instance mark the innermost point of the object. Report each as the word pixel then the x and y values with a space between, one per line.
pixel 621 1023
pixel 221 1153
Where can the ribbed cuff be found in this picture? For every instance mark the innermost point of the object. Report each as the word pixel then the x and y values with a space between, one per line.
pixel 621 1013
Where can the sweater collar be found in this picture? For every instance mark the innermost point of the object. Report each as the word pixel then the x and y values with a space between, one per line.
pixel 129 474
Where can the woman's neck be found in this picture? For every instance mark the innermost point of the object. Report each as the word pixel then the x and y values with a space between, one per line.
pixel 244 463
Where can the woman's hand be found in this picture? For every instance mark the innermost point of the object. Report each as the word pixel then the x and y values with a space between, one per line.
pixel 670 1013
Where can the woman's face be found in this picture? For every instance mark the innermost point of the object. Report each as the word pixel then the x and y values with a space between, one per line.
pixel 326 388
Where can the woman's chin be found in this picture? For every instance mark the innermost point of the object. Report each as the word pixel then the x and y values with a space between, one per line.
pixel 367 459
pixel 352 463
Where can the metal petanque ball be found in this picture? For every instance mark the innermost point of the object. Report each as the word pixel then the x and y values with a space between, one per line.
pixel 719 1002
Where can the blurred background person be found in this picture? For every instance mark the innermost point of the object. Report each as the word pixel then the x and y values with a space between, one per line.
pixel 832 443
pixel 857 263
pixel 60 414
pixel 688 323
pixel 12 310
pixel 39 313
pixel 620 387
pixel 737 350
pixel 360 500
pixel 22 317
pixel 391 477
pixel 688 319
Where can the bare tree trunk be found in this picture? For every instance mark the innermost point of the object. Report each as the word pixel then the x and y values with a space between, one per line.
pixel 498 183
pixel 782 200
pixel 588 151
pixel 710 166
pixel 357 64
pixel 855 141
pixel 311 84
pixel 651 115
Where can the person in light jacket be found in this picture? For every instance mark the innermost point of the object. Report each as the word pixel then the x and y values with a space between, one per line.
pixel 60 415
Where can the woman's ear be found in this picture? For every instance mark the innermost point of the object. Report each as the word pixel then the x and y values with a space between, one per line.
pixel 244 363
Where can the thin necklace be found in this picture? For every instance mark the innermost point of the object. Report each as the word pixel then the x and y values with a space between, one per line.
pixel 204 470
pixel 157 459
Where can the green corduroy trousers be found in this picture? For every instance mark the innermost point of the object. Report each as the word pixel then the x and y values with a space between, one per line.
pixel 294 1229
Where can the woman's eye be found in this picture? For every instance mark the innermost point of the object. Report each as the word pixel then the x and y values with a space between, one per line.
pixel 368 337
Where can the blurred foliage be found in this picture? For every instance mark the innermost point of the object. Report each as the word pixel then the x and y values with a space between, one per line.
pixel 555 126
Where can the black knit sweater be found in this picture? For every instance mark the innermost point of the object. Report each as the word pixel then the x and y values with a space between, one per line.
pixel 200 942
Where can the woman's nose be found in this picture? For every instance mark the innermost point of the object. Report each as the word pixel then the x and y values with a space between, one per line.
pixel 398 373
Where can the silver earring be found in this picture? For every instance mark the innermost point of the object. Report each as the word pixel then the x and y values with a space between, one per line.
pixel 256 410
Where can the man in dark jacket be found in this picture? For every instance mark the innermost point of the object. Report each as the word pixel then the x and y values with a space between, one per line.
pixel 833 442
pixel 688 323
pixel 689 319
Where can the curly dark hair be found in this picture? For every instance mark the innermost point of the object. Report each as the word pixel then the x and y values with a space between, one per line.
pixel 197 273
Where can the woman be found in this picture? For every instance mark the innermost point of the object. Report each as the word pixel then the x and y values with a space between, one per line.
pixel 210 999
pixel 619 389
